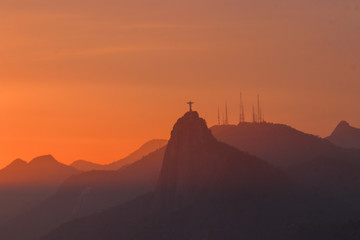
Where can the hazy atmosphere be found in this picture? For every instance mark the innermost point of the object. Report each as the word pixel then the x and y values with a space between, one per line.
pixel 95 79
pixel 179 120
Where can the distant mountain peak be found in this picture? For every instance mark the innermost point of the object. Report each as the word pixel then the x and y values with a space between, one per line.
pixel 159 142
pixel 345 136
pixel 343 124
pixel 45 159
pixel 84 165
pixel 343 127
pixel 79 161
pixel 16 164
pixel 145 149
pixel 18 161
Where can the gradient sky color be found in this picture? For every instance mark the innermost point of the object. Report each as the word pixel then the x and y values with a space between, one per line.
pixel 95 79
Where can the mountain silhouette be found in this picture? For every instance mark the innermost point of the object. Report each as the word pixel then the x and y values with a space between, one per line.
pixel 43 170
pixel 8 175
pixel 278 144
pixel 205 188
pixel 85 166
pixel 16 165
pixel 144 150
pixel 23 185
pixel 325 170
pixel 345 136
pixel 196 164
pixel 85 194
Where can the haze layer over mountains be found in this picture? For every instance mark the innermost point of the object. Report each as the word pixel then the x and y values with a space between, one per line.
pixel 227 182
pixel 24 185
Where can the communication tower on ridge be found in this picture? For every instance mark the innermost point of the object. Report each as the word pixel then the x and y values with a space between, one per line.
pixel 242 112
pixel 226 115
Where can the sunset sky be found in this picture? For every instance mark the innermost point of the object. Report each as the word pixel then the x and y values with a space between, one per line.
pixel 95 79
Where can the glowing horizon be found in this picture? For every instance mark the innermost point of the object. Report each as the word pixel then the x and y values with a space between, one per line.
pixel 96 81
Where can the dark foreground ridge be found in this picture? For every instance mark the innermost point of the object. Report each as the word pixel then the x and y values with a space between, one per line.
pixel 200 188
pixel 197 165
pixel 205 189
pixel 210 190
pixel 24 185
pixel 85 194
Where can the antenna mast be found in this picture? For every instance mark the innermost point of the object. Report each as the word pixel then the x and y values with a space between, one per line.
pixel 218 115
pixel 242 114
pixel 223 119
pixel 226 114
pixel 253 113
pixel 259 109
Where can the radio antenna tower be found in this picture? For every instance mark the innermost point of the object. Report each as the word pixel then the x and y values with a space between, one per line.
pixel 253 113
pixel 226 114
pixel 242 114
pixel 218 115
pixel 259 109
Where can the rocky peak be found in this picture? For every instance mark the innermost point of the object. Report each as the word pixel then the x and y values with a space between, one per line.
pixel 343 124
pixel 16 165
pixel 190 131
pixel 196 164
pixel 345 136
pixel 46 159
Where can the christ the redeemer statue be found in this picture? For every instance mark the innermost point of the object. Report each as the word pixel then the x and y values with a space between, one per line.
pixel 190 105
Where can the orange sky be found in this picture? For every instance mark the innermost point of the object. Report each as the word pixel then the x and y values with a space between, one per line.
pixel 95 80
